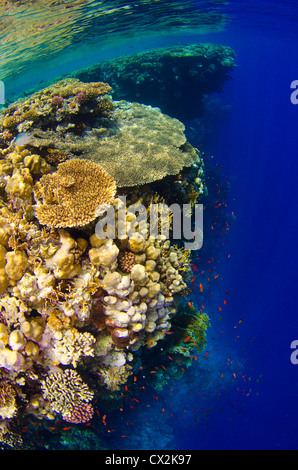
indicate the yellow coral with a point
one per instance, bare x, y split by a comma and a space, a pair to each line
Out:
20, 184
66, 261
65, 390
74, 195
8, 406
114, 377
4, 280
16, 264
71, 86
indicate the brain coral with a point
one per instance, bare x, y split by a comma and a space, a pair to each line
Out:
74, 195
66, 393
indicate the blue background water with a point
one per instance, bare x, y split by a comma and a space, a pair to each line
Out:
256, 148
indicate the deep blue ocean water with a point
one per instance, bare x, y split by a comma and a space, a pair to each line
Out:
254, 404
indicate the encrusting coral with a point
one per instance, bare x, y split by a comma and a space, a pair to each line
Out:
78, 306
73, 196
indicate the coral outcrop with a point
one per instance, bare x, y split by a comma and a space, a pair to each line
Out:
176, 79
86, 286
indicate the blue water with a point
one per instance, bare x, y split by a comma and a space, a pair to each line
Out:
255, 149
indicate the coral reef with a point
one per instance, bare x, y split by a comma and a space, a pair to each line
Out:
136, 144
79, 305
167, 77
8, 407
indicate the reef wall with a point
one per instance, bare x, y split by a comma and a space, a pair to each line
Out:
174, 79
78, 311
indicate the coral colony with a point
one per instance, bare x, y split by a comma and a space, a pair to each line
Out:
77, 311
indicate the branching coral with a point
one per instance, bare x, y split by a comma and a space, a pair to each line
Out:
8, 407
69, 345
55, 103
113, 377
75, 195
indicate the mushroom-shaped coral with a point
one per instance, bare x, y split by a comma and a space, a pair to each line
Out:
68, 395
74, 195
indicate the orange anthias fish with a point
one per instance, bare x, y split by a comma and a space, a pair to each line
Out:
201, 287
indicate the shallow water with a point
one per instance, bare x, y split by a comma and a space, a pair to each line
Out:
241, 391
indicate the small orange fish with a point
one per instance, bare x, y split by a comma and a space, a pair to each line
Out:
201, 287
67, 428
187, 339
193, 279
190, 304
216, 276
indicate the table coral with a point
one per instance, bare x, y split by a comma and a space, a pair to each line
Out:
75, 195
145, 146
